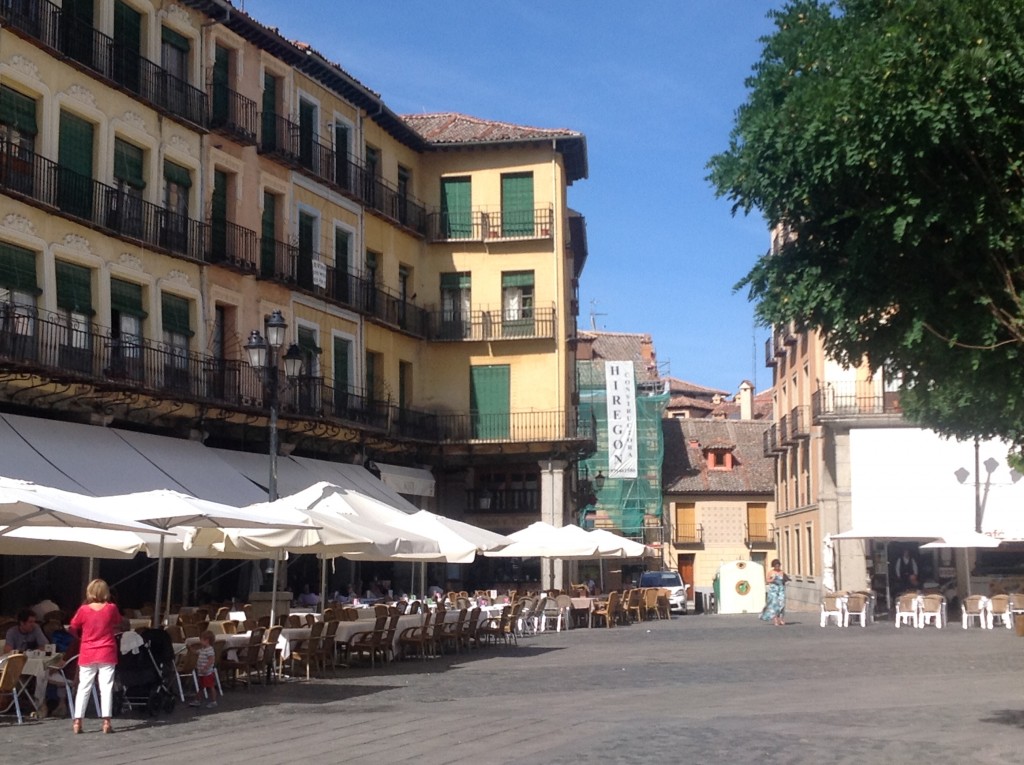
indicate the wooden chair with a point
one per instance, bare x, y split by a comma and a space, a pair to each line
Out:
389, 634
633, 606
185, 666
415, 607
329, 614
331, 643
451, 631
294, 621
493, 627
246, 661
310, 651
349, 614
176, 633
402, 606
223, 614
10, 676
649, 608
468, 634
369, 642
270, 655
379, 609
664, 606
420, 638
440, 615
607, 610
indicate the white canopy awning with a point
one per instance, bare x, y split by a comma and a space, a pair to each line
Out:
418, 482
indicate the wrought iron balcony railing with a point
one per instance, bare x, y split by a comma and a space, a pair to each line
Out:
79, 42
233, 115
233, 245
487, 225
760, 534
288, 142
485, 500
688, 534
854, 399
770, 441
528, 324
119, 211
800, 422
557, 425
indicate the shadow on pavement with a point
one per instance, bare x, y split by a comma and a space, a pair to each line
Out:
1013, 717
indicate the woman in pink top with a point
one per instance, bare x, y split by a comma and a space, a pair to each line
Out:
95, 624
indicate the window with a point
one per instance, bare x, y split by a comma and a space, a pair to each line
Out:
517, 204
372, 277
517, 304
307, 387
174, 49
126, 317
456, 306
404, 277
342, 353
18, 292
220, 96
757, 523
404, 182
174, 312
372, 175
219, 216
269, 266
76, 26
307, 254
374, 380
489, 397
74, 157
268, 139
456, 208
74, 304
342, 264
719, 458
404, 384
342, 149
686, 523
126, 52
307, 133
124, 212
18, 130
810, 550
177, 182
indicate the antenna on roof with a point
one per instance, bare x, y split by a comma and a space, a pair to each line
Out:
594, 314
753, 354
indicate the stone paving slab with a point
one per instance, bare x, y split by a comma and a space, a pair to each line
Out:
695, 689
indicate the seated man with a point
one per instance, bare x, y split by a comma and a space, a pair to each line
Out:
25, 635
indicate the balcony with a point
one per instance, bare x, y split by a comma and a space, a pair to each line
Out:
481, 225
487, 500
688, 534
533, 324
800, 422
855, 399
769, 352
117, 211
513, 427
233, 115
294, 146
783, 431
84, 46
770, 441
760, 535
235, 246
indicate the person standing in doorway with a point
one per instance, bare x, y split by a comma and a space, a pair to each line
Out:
906, 572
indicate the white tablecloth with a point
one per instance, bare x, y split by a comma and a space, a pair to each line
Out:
347, 629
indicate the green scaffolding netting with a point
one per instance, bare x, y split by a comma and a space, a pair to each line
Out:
626, 504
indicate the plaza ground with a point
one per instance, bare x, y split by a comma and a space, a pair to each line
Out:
695, 689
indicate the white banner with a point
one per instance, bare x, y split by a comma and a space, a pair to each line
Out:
620, 393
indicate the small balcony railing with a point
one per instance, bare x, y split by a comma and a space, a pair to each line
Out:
760, 535
530, 324
855, 399
118, 211
489, 225
80, 42
688, 534
800, 422
769, 352
485, 500
285, 140
233, 245
513, 427
233, 115
770, 441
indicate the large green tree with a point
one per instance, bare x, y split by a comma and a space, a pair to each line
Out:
887, 136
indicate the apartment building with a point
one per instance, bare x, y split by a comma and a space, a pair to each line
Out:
173, 174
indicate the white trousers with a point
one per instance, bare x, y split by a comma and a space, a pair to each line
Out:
86, 674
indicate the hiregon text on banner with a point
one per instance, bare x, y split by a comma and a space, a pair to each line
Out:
620, 394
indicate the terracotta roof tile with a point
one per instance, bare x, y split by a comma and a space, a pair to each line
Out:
684, 469
450, 127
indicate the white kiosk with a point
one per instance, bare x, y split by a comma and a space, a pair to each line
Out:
741, 588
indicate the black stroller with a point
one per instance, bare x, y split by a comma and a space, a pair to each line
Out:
143, 678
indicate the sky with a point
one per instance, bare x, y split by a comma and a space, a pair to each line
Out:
653, 86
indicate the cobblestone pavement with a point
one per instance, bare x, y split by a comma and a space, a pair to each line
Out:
696, 689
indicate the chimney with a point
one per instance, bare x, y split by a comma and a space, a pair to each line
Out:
746, 399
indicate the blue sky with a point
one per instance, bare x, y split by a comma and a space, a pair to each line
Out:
653, 85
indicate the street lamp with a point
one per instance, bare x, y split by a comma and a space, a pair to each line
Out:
263, 358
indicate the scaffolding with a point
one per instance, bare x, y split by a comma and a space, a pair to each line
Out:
630, 506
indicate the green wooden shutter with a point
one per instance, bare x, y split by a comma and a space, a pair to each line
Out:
342, 250
174, 313
221, 85
307, 225
175, 39
341, 150
307, 123
371, 376
517, 279
455, 281
124, 54
268, 235
517, 204
177, 174
74, 288
18, 269
489, 401
342, 349
126, 297
219, 215
269, 116
128, 161
74, 155
18, 111
456, 214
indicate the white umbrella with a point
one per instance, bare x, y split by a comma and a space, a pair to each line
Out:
542, 540
963, 539
483, 539
613, 546
24, 504
163, 508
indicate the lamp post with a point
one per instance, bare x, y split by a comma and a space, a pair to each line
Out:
263, 358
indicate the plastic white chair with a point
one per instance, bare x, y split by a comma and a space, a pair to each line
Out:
832, 608
908, 608
856, 607
975, 608
999, 610
933, 609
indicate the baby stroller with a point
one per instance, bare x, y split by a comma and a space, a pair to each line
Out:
144, 667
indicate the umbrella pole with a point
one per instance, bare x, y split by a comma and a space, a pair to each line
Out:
159, 585
323, 584
170, 586
273, 590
